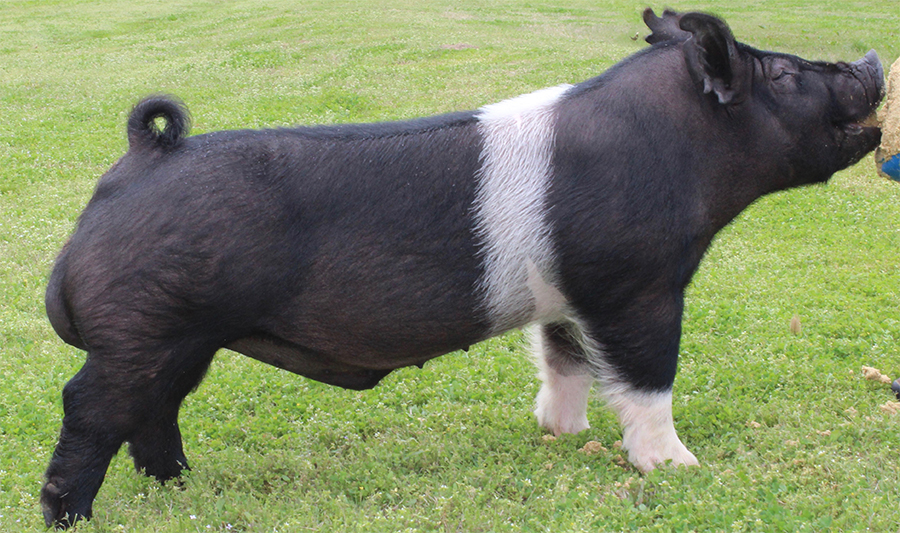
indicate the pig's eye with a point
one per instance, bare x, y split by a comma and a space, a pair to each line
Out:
784, 80
782, 73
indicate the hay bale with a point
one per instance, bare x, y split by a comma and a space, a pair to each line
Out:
889, 114
889, 117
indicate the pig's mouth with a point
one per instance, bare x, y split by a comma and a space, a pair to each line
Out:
866, 125
873, 134
857, 138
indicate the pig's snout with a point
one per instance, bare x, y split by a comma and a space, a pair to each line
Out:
871, 61
869, 71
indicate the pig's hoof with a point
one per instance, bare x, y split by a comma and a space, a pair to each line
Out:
561, 404
895, 386
52, 505
646, 455
55, 509
163, 469
647, 462
561, 423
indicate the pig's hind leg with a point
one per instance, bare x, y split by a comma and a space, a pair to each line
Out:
113, 399
156, 445
87, 442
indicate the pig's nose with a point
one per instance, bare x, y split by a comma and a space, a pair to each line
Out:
870, 67
869, 64
872, 61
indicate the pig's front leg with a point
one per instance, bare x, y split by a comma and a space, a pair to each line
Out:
633, 363
561, 405
639, 350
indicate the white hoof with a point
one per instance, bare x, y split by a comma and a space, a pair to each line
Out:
562, 403
649, 433
648, 453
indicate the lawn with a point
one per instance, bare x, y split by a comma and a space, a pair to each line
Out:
791, 438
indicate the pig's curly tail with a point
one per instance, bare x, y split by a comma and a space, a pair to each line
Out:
144, 128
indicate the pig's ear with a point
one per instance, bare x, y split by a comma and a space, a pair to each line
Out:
664, 28
712, 57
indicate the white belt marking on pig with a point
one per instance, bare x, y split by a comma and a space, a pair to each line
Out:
510, 210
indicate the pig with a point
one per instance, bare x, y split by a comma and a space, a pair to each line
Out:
341, 253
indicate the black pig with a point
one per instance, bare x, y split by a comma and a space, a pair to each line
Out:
342, 253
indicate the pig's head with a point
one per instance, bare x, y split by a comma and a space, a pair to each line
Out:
801, 121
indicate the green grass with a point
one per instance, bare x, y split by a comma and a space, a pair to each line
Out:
791, 438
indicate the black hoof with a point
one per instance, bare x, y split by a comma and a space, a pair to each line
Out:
51, 504
162, 468
55, 509
895, 386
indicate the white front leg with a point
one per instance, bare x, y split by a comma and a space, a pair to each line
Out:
561, 405
562, 402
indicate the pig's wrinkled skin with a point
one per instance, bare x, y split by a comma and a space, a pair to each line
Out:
342, 253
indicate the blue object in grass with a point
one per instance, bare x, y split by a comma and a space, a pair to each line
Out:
891, 167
